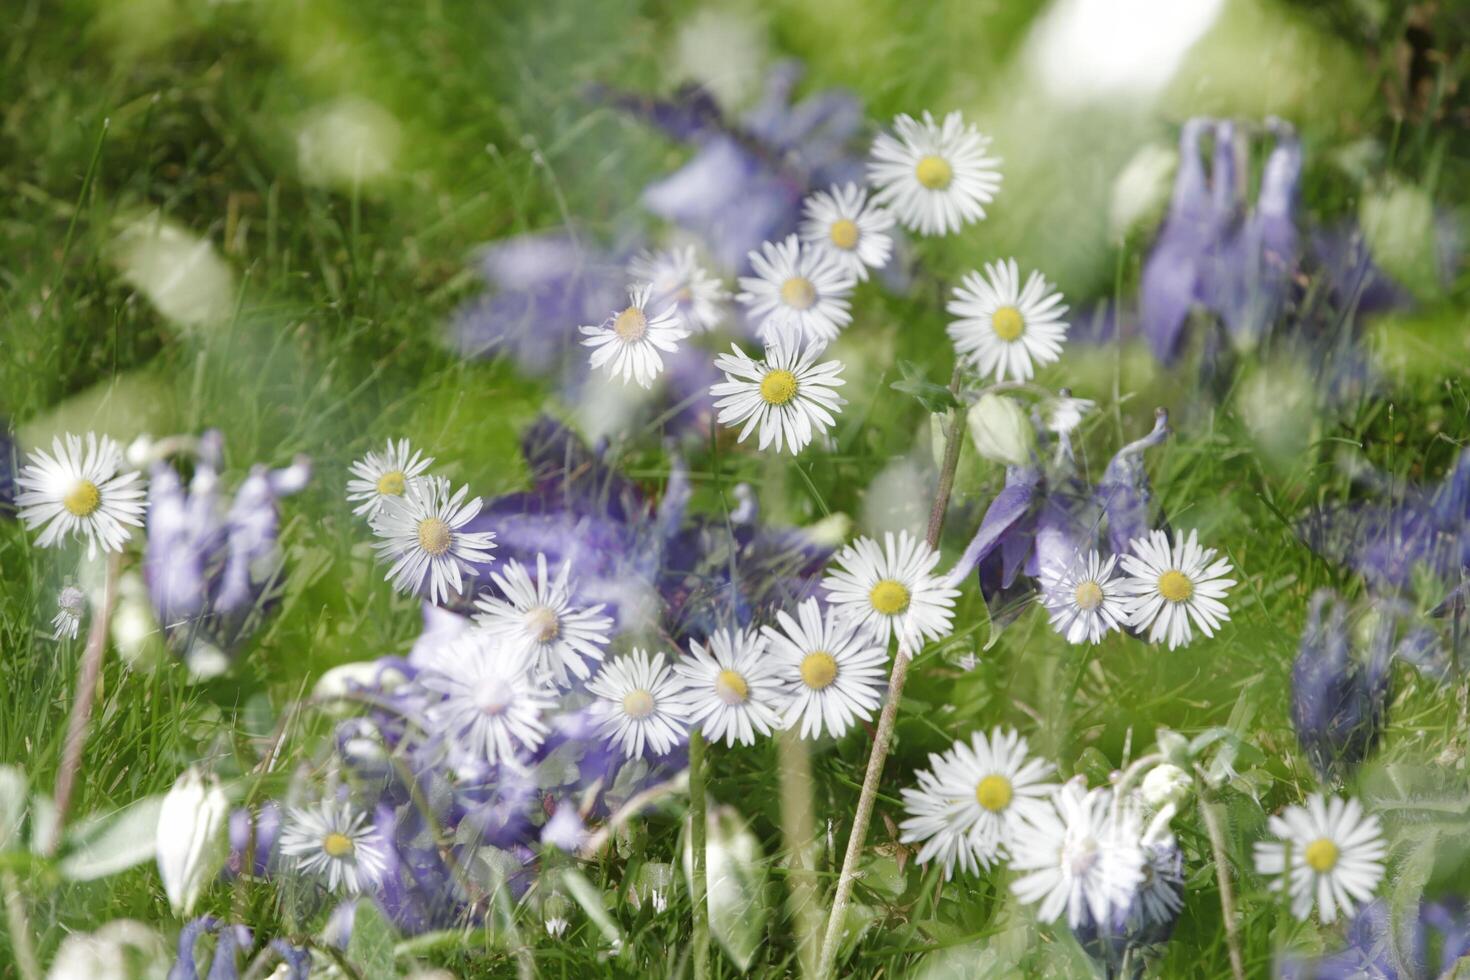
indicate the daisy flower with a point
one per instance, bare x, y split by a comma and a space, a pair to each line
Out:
1086, 601
677, 279
493, 697
974, 799
540, 615
627, 343
798, 289
379, 476
1005, 328
934, 178
1078, 860
335, 842
1169, 587
640, 703
833, 670
891, 590
71, 603
733, 689
424, 532
81, 493
788, 395
849, 227
1328, 851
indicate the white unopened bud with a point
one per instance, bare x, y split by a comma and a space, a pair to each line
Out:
1164, 785
193, 838
1001, 431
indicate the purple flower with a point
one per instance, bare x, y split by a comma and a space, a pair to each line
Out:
253, 839
210, 570
1139, 929
1409, 527
1339, 703
9, 466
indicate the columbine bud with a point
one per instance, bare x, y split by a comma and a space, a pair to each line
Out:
1164, 785
1001, 430
192, 838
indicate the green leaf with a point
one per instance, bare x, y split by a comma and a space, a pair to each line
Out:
371, 947
735, 873
13, 793
587, 895
936, 398
104, 845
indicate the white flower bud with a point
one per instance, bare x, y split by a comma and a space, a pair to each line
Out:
1001, 431
193, 838
1164, 785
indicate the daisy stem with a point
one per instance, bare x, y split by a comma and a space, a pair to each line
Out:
883, 736
1216, 831
798, 837
697, 830
81, 707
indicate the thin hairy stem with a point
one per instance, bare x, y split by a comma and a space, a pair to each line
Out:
698, 828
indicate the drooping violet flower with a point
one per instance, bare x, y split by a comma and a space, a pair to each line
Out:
1407, 527
1339, 702
1370, 951
9, 466
211, 570
254, 836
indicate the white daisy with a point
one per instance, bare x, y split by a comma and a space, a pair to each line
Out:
385, 474
1329, 852
787, 394
539, 614
733, 689
628, 342
798, 289
1169, 587
934, 178
891, 590
493, 697
1086, 601
678, 279
854, 230
70, 491
335, 842
833, 670
71, 603
424, 532
974, 799
640, 704
1079, 861
1005, 328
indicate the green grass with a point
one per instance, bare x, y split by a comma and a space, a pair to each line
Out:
339, 299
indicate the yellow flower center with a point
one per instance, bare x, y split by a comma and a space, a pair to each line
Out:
818, 670
1175, 586
392, 484
993, 793
638, 704
542, 623
730, 687
434, 536
337, 845
83, 499
631, 325
889, 597
1089, 595
798, 293
778, 387
1007, 323
934, 172
1321, 855
844, 232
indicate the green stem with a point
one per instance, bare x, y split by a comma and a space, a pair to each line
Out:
887, 719
1216, 831
698, 828
19, 925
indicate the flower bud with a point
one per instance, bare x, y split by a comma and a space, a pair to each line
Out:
1001, 431
193, 840
1164, 785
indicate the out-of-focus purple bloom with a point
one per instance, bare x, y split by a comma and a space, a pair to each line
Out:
9, 466
1046, 516
231, 942
1411, 527
541, 288
564, 829
1137, 931
746, 180
1371, 952
1339, 702
253, 839
212, 570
